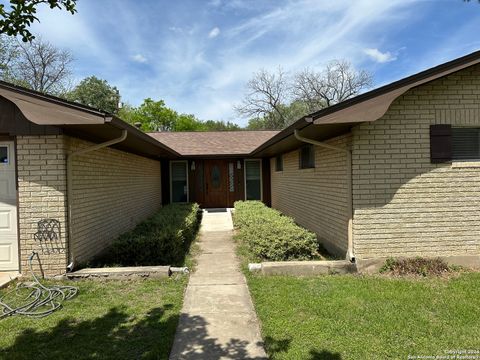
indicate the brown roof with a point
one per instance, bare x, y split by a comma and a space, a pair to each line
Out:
213, 143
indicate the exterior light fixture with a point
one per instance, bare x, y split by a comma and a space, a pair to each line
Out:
192, 166
239, 164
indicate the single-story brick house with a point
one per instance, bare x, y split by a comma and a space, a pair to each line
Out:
392, 172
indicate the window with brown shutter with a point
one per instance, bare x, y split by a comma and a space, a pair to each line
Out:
440, 143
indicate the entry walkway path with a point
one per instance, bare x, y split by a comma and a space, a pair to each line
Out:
218, 320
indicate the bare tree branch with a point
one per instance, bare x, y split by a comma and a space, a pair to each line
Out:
267, 95
338, 82
42, 67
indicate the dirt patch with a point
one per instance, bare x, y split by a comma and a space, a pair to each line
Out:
419, 266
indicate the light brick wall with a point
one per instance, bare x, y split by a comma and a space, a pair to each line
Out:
41, 195
403, 204
112, 192
315, 198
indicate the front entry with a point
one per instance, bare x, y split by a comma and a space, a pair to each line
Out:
8, 208
216, 183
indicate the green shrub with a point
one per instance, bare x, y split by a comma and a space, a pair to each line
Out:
163, 239
269, 235
415, 266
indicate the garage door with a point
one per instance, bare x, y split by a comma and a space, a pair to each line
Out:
8, 208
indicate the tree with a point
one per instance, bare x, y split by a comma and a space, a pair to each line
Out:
96, 93
337, 82
212, 125
274, 101
8, 52
152, 115
22, 15
266, 97
292, 112
156, 116
40, 66
187, 122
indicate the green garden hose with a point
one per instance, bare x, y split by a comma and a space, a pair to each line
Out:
39, 300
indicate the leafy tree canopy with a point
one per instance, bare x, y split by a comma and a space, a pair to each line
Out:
96, 93
154, 115
22, 13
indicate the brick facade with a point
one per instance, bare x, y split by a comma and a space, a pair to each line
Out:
316, 198
112, 191
403, 204
42, 184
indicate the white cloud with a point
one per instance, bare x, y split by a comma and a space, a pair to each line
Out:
378, 56
215, 3
214, 33
139, 58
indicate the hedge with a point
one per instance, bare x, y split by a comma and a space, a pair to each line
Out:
270, 236
163, 239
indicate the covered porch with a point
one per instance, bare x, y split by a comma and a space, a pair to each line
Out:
215, 182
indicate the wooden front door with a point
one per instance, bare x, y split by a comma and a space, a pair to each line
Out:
216, 181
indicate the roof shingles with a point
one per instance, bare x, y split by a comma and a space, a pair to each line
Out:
213, 143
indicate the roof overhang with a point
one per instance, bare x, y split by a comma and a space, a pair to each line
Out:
83, 122
286, 141
370, 106
374, 104
46, 112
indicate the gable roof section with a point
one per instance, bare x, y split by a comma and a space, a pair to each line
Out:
214, 143
366, 107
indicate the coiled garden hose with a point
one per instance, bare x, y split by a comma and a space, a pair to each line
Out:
40, 300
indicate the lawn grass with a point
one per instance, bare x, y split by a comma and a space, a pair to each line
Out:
366, 317
111, 319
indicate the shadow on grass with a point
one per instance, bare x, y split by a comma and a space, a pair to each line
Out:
114, 335
276, 346
324, 355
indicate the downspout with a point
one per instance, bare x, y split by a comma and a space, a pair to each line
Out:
350, 255
70, 156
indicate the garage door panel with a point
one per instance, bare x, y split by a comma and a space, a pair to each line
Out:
6, 253
5, 220
8, 208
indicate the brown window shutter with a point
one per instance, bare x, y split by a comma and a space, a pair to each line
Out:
440, 143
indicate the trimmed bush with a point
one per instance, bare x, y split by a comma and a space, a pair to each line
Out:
269, 235
163, 239
415, 266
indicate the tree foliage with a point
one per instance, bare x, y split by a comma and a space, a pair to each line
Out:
97, 93
22, 13
154, 115
274, 100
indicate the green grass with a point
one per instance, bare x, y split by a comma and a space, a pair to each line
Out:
129, 319
366, 317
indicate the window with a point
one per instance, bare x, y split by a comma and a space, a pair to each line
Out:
307, 157
3, 154
231, 177
279, 163
253, 180
179, 181
466, 143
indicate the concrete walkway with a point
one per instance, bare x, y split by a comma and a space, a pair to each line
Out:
218, 320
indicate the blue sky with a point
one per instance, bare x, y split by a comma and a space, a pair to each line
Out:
197, 55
